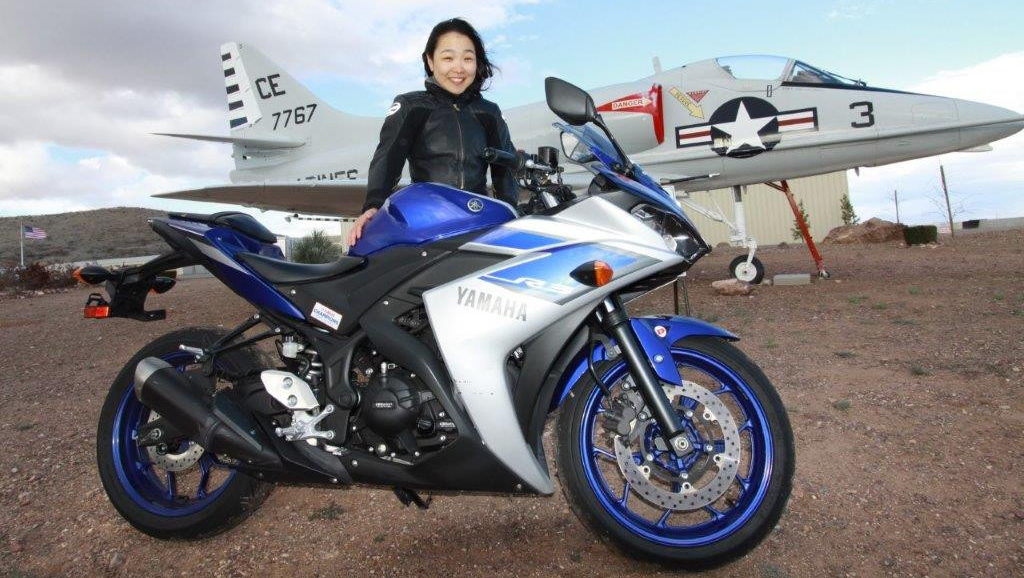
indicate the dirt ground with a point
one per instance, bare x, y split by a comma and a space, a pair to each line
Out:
903, 376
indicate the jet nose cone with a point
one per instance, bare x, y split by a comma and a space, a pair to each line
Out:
984, 123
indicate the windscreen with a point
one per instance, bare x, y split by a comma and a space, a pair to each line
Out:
754, 67
806, 74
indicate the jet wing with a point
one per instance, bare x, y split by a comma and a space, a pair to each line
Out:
267, 142
335, 198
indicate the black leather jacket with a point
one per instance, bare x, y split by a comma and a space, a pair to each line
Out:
442, 136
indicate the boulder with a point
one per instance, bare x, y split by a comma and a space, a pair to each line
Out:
732, 287
873, 230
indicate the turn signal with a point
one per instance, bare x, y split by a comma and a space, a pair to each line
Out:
97, 311
593, 273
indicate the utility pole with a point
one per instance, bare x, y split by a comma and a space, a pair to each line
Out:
896, 199
945, 190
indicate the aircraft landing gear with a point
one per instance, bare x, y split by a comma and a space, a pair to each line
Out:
747, 268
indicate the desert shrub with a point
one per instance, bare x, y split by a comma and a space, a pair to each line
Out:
36, 276
315, 248
849, 215
921, 234
795, 231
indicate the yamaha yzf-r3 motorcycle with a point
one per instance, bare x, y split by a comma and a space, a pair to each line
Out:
431, 357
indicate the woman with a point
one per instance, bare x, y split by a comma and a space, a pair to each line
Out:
442, 130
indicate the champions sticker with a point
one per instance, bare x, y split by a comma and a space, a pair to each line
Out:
394, 108
326, 315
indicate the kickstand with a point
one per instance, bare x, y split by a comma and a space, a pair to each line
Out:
409, 497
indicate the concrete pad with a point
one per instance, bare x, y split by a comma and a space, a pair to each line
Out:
792, 279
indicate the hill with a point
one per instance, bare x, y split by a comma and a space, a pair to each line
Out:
83, 235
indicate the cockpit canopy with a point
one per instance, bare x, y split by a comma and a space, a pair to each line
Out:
764, 67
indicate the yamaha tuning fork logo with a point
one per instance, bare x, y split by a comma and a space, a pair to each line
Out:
745, 127
475, 205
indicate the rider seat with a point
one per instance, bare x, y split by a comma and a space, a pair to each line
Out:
288, 273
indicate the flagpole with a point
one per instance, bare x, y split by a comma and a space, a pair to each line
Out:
21, 241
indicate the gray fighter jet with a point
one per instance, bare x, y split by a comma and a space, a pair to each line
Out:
724, 122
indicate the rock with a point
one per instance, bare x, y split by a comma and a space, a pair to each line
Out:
873, 230
24, 499
732, 287
116, 560
17, 545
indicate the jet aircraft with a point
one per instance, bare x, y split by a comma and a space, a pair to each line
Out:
722, 122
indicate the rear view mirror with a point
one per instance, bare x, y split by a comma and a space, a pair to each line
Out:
571, 103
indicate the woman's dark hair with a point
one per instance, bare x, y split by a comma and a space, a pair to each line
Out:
484, 68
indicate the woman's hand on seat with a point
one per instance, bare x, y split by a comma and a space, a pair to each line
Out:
357, 227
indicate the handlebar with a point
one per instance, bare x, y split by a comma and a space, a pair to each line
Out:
516, 161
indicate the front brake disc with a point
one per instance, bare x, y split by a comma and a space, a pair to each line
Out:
690, 497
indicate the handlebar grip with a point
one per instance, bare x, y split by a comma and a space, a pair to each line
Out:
506, 159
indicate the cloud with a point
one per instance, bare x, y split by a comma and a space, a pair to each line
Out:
990, 184
102, 77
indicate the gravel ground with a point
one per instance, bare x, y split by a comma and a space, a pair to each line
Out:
903, 376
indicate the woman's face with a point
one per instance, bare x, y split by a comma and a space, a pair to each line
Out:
453, 62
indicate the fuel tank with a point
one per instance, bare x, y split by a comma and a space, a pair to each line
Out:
427, 212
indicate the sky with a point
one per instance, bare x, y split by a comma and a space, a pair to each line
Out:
84, 84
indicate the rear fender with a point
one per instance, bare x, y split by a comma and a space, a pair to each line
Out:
656, 335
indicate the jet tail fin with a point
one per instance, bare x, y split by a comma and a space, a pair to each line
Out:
275, 120
264, 99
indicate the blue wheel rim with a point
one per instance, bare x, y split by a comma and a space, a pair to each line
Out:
752, 488
152, 491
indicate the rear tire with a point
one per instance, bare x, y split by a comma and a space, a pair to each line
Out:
146, 494
588, 478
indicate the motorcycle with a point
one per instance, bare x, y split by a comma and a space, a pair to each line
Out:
431, 357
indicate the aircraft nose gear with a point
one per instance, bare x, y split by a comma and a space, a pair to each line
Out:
683, 483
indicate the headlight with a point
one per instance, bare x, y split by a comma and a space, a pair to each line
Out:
676, 235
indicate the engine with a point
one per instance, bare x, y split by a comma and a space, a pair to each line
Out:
397, 415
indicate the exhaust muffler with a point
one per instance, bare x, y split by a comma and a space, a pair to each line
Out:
213, 423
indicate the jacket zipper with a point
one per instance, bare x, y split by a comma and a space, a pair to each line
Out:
462, 152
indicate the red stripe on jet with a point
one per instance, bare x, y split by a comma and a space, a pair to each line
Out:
696, 134
796, 121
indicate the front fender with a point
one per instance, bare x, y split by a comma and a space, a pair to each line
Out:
656, 335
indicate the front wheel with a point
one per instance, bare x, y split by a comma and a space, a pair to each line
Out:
706, 507
180, 492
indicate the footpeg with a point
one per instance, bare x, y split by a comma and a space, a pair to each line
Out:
304, 427
409, 497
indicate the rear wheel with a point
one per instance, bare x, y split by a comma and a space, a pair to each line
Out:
180, 492
705, 508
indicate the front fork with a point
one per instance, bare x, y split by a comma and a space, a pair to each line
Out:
613, 318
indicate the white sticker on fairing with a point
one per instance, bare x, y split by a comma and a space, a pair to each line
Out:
326, 315
394, 108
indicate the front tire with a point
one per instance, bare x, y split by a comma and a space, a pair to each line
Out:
184, 493
729, 527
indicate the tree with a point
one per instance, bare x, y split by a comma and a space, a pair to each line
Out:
797, 235
849, 216
315, 247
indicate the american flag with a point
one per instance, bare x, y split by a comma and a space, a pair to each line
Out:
33, 232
